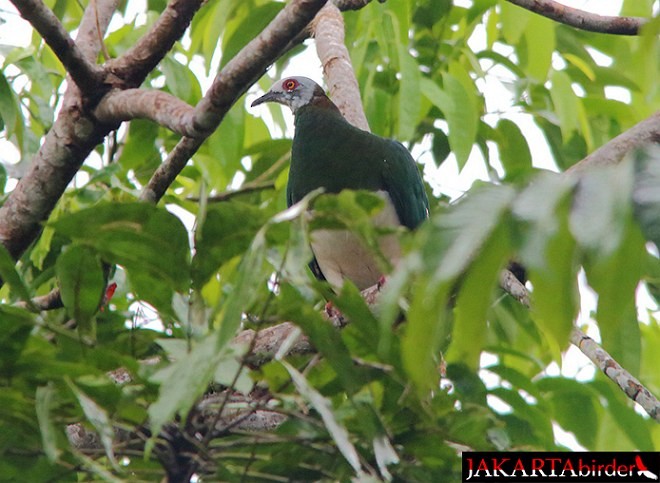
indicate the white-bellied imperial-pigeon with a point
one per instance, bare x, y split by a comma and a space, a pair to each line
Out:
330, 153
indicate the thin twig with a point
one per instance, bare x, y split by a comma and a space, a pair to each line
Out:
243, 190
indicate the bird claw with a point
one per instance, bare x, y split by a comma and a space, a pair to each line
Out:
334, 315
381, 282
330, 310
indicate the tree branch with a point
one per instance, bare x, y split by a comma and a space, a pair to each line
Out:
581, 19
230, 83
613, 370
93, 26
612, 152
76, 132
328, 30
246, 188
51, 300
134, 65
158, 106
251, 62
85, 74
599, 356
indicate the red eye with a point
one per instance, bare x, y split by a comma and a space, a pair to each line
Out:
290, 84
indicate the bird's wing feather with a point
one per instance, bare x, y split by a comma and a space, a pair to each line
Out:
403, 182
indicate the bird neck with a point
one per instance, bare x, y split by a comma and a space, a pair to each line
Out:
321, 101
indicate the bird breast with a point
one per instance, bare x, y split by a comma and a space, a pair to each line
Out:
342, 255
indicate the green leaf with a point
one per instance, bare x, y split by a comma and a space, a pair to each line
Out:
196, 368
98, 417
548, 251
3, 179
540, 44
538, 205
565, 102
646, 193
409, 94
474, 300
555, 287
440, 147
460, 113
514, 150
226, 146
615, 278
181, 81
82, 285
323, 335
564, 395
601, 210
44, 400
251, 274
227, 231
15, 327
470, 224
140, 151
10, 112
338, 432
253, 23
10, 276
514, 21
143, 238
427, 326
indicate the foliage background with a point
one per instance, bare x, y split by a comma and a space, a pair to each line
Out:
374, 404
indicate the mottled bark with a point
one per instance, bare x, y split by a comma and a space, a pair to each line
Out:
581, 19
328, 30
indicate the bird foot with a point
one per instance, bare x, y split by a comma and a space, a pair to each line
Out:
381, 282
334, 315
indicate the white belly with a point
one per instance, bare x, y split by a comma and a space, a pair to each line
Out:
340, 254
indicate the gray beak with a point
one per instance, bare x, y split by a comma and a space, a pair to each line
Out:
267, 97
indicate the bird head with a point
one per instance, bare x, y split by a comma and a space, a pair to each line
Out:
294, 92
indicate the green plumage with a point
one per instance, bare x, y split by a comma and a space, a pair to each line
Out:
330, 153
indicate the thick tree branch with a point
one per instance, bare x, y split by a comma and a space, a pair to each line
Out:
158, 106
75, 132
134, 65
84, 73
253, 60
230, 83
93, 26
581, 19
72, 137
328, 30
612, 152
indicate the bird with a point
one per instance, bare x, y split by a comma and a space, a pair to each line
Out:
330, 153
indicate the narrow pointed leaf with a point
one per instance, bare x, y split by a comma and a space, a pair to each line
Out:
338, 432
82, 285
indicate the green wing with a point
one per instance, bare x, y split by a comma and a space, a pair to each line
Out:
404, 184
